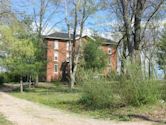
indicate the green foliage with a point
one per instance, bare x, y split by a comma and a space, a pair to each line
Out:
2, 78
162, 52
4, 121
136, 91
20, 51
97, 91
162, 90
61, 96
94, 57
116, 91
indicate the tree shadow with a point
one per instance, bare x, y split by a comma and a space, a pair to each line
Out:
38, 89
61, 89
8, 88
146, 118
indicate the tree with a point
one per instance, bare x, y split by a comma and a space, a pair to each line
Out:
19, 51
94, 57
41, 21
77, 12
135, 16
42, 18
162, 52
5, 11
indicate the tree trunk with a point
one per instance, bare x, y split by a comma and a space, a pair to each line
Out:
21, 84
30, 81
37, 79
149, 69
123, 58
136, 58
145, 75
73, 76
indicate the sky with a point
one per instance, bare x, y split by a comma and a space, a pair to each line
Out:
95, 23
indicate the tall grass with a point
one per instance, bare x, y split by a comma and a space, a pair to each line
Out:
128, 89
97, 91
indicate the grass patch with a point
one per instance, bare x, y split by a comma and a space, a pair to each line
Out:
4, 121
66, 99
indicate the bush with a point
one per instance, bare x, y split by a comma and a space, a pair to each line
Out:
8, 77
97, 92
2, 78
130, 89
163, 91
136, 91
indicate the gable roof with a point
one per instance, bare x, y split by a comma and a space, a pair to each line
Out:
105, 41
64, 36
59, 36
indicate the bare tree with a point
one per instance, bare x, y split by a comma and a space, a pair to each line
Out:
80, 11
135, 16
42, 17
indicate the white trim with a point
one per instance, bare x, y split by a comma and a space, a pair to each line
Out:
109, 50
67, 56
56, 44
67, 46
56, 53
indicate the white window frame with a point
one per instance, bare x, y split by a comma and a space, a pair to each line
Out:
67, 46
67, 56
109, 51
56, 44
55, 55
54, 68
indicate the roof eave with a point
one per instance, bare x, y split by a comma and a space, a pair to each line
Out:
56, 38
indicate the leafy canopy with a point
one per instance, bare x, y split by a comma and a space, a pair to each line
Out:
94, 56
19, 50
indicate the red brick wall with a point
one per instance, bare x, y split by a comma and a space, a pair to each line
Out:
62, 52
111, 58
51, 75
50, 62
114, 59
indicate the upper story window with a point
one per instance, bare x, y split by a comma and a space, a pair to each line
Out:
67, 46
56, 68
109, 51
55, 55
67, 57
56, 44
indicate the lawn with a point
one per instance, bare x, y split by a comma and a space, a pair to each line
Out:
4, 121
66, 99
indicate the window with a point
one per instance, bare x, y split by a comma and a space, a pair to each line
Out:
56, 45
109, 51
55, 55
56, 68
67, 46
67, 57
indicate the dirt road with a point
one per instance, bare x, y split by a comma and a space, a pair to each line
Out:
22, 112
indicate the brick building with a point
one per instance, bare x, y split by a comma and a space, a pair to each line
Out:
58, 53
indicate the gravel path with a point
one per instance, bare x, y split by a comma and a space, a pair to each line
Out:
22, 112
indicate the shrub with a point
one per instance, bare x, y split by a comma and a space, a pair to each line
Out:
136, 91
2, 78
8, 77
97, 91
162, 90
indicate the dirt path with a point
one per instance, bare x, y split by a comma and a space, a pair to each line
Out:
22, 112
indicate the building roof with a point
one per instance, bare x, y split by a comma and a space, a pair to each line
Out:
59, 35
105, 41
64, 36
